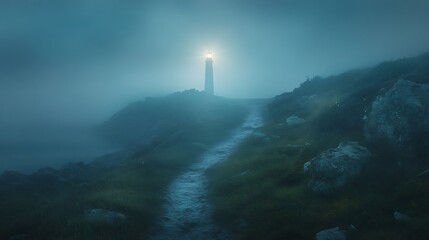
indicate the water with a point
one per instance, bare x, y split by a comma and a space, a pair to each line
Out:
187, 212
26, 149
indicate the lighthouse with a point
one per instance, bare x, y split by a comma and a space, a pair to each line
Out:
209, 86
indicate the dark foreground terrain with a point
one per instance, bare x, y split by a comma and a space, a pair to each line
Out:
348, 154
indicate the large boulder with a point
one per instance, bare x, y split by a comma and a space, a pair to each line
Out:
401, 115
333, 168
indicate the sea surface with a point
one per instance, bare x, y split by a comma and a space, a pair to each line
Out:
26, 149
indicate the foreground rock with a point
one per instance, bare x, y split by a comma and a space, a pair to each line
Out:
331, 234
333, 168
104, 216
400, 115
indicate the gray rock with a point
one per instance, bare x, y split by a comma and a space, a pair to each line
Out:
307, 166
294, 120
400, 114
331, 234
333, 168
103, 215
400, 217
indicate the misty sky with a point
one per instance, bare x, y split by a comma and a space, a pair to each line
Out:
82, 60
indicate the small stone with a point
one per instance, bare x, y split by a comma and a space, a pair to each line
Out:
401, 217
331, 234
307, 166
294, 120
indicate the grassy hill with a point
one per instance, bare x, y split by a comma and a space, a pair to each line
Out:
52, 204
143, 122
261, 191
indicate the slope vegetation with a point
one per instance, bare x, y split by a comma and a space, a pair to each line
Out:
262, 191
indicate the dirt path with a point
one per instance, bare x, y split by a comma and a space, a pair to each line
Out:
187, 213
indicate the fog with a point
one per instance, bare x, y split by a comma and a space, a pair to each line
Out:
74, 63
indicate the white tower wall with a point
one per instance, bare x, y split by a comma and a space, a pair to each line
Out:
209, 85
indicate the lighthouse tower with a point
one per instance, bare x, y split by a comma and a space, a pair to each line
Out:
209, 87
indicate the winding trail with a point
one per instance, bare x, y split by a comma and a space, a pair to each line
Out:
187, 212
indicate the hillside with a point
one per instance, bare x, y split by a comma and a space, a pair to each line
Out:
347, 96
118, 196
143, 122
347, 151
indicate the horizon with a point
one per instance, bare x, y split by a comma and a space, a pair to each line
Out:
81, 61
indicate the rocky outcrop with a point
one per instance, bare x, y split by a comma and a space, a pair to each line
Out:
333, 168
401, 115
